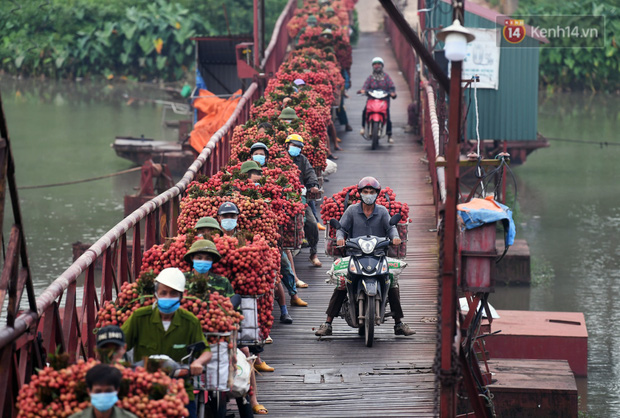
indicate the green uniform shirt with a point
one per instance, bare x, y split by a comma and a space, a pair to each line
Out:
144, 332
214, 283
117, 413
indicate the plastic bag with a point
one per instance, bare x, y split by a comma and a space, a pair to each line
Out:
241, 381
338, 271
218, 367
250, 329
331, 168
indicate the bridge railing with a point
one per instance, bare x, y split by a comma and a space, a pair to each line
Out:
59, 321
405, 56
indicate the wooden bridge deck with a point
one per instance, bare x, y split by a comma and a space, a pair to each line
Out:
338, 375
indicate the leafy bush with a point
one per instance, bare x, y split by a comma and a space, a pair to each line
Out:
137, 39
579, 68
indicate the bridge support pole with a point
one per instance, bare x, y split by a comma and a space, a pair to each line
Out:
449, 362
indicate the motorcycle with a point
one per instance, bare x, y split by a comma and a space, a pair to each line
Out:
367, 282
376, 115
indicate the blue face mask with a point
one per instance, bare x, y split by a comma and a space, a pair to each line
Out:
294, 151
103, 401
228, 224
168, 305
202, 266
259, 159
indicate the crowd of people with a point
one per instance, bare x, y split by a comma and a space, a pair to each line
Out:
292, 132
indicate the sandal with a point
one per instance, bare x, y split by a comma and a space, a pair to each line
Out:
301, 284
259, 410
263, 367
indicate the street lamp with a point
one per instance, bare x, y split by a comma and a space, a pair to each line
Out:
455, 37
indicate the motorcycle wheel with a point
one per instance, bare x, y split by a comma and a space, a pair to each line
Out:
369, 321
201, 410
375, 135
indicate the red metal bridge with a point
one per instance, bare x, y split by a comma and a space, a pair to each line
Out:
334, 376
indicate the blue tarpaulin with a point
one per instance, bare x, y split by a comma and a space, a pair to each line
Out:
478, 212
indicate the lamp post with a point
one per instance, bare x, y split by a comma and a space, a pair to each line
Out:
455, 38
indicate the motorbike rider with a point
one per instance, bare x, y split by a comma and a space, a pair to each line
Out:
308, 178
201, 256
366, 218
207, 226
253, 170
379, 80
111, 345
227, 216
166, 328
259, 153
103, 383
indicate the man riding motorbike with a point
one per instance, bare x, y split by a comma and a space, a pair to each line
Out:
379, 80
360, 219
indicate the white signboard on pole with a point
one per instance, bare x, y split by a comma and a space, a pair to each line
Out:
483, 59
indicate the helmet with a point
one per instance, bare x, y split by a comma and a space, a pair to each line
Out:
173, 278
299, 82
250, 166
228, 207
327, 32
202, 246
377, 60
288, 113
330, 10
312, 21
259, 145
208, 222
369, 182
295, 139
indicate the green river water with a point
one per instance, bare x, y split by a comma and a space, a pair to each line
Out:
568, 200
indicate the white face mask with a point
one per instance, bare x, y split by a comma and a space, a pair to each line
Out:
369, 199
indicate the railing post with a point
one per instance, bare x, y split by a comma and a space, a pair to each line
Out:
136, 253
8, 386
106, 276
149, 231
8, 279
90, 307
123, 262
69, 323
174, 214
52, 329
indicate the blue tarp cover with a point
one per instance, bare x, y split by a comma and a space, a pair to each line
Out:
478, 212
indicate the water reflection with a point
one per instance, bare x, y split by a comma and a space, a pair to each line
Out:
62, 131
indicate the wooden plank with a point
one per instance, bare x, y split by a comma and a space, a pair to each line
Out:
338, 375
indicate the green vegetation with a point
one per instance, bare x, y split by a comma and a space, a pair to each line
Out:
137, 39
570, 68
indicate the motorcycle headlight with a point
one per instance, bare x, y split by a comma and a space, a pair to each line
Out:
384, 268
352, 267
368, 246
